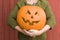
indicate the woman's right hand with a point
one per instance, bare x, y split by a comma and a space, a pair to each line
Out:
28, 33
25, 32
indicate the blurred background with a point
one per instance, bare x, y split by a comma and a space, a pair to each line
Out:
7, 33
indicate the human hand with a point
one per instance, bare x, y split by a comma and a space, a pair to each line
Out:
28, 33
32, 33
25, 32
39, 32
35, 32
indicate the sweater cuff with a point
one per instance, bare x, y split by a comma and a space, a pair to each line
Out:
50, 27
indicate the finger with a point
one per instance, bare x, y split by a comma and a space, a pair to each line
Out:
32, 36
27, 32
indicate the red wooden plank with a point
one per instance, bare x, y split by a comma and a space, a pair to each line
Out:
9, 33
57, 28
0, 15
16, 33
49, 33
55, 33
11, 30
5, 12
1, 20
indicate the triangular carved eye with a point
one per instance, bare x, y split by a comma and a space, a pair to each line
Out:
28, 12
36, 13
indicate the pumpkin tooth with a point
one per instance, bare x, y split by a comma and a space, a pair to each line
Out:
30, 23
35, 21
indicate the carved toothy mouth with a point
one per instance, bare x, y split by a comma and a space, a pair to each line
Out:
30, 23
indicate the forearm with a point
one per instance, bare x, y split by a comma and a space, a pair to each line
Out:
23, 31
46, 28
50, 19
39, 32
12, 17
18, 29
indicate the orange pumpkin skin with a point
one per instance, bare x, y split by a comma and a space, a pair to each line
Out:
31, 17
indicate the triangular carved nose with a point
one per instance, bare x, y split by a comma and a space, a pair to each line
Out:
31, 16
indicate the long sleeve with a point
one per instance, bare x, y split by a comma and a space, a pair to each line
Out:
50, 17
12, 21
12, 17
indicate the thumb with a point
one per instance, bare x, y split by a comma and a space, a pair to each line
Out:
26, 31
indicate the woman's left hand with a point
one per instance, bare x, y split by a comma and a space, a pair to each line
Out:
35, 32
39, 32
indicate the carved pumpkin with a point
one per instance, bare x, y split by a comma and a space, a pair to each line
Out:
31, 17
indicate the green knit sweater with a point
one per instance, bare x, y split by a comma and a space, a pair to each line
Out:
41, 3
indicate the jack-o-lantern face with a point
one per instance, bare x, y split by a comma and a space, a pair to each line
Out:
31, 17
